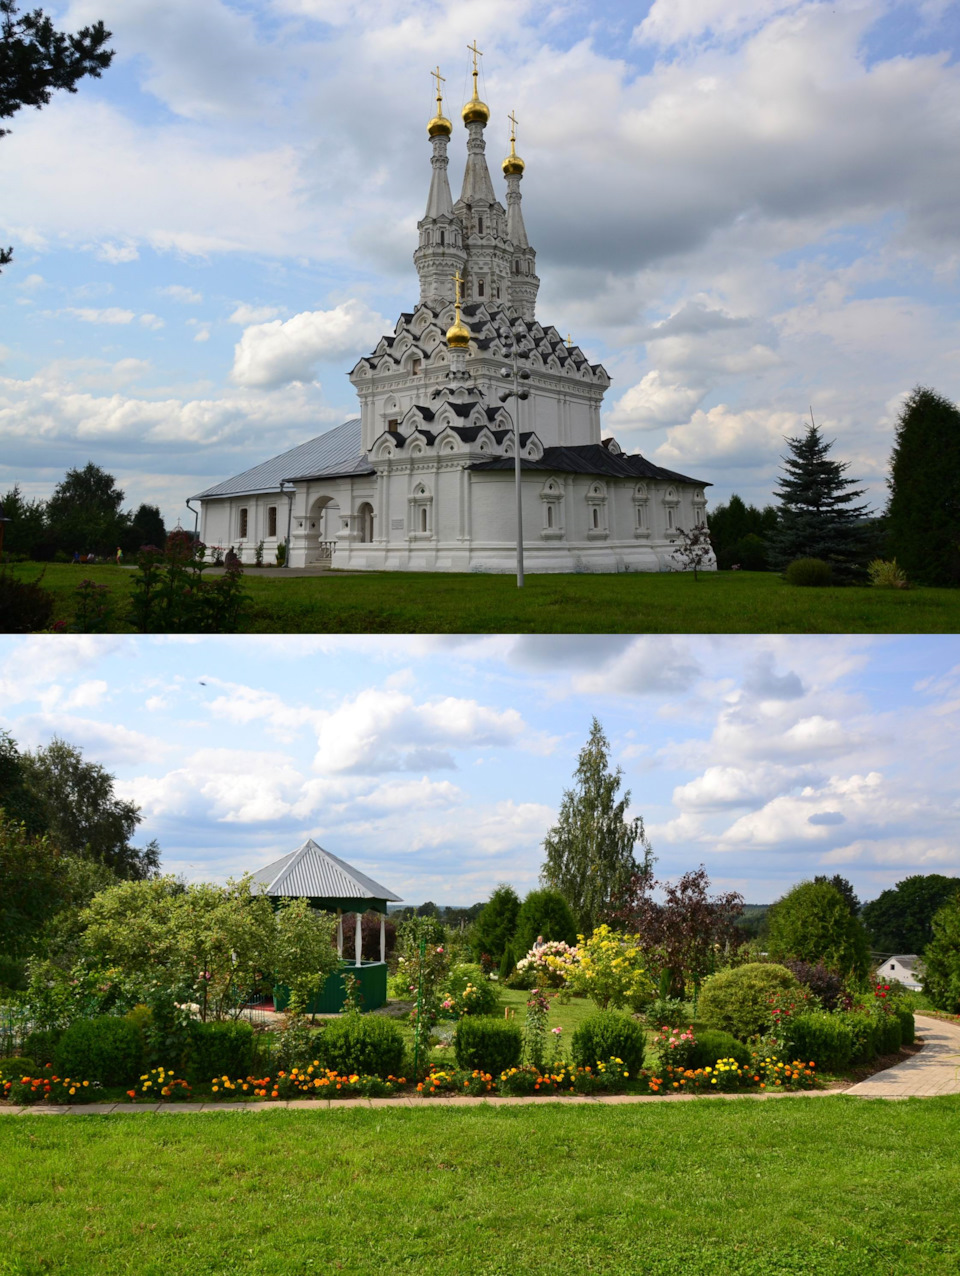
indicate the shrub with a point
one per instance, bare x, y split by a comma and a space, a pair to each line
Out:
470, 992
24, 604
887, 575
609, 1034
488, 1044
18, 1066
738, 1000
825, 985
218, 1048
713, 1045
669, 1011
908, 1029
891, 1034
105, 1049
867, 1036
825, 1039
41, 1044
370, 1045
809, 571
547, 914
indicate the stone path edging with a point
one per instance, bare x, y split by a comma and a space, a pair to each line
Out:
934, 1070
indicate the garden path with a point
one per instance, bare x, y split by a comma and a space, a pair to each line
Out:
933, 1070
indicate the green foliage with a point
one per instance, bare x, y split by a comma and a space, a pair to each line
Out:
146, 528
612, 969
84, 512
809, 571
887, 575
824, 1039
219, 1049
544, 913
818, 517
171, 595
26, 607
41, 1044
369, 1045
813, 923
82, 812
507, 963
712, 1045
891, 1034
482, 999
31, 885
737, 1000
17, 1065
23, 534
923, 514
303, 949
488, 1044
590, 851
867, 1031
495, 927
900, 920
739, 533
609, 1034
941, 975
908, 1029
105, 1049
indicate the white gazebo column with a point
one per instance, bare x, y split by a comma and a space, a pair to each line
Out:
340, 934
383, 937
358, 944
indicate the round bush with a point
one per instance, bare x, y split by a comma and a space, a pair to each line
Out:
483, 999
907, 1026
17, 1066
738, 1000
713, 1045
825, 985
369, 1045
826, 1040
219, 1049
104, 1049
487, 1044
609, 1034
809, 571
41, 1045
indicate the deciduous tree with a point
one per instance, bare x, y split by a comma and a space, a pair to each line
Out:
941, 961
590, 851
813, 923
900, 920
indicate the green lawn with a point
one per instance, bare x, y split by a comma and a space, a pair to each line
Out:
792, 1187
726, 602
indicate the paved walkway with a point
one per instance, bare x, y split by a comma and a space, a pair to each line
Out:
933, 1070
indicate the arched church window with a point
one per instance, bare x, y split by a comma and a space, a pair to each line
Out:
443, 239
549, 515
596, 517
480, 288
423, 518
516, 267
242, 524
415, 366
272, 520
480, 225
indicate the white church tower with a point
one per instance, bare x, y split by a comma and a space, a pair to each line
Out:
424, 479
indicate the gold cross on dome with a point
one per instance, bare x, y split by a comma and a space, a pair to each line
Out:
472, 48
458, 280
439, 79
512, 117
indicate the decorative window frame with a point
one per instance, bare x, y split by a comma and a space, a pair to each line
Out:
243, 522
551, 498
671, 506
641, 502
597, 524
420, 502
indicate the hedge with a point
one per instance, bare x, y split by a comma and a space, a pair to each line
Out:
220, 1049
609, 1034
104, 1049
369, 1045
487, 1044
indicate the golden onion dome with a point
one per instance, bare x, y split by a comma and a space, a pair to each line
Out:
439, 126
458, 334
475, 111
513, 164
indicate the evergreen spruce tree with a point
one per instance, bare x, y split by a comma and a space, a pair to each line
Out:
923, 514
589, 852
818, 517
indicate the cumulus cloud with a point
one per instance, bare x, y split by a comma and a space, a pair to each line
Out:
672, 21
112, 314
654, 402
647, 667
281, 351
245, 314
117, 254
179, 292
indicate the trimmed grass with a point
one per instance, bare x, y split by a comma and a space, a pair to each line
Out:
418, 602
791, 1187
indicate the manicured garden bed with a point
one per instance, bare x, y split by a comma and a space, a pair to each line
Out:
702, 1189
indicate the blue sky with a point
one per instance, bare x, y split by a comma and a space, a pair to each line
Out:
742, 207
437, 764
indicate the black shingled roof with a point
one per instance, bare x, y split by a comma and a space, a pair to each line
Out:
591, 458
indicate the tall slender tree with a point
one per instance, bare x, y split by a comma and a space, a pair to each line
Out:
818, 514
923, 513
590, 851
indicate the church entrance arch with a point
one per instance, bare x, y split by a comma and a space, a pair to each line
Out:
365, 522
322, 525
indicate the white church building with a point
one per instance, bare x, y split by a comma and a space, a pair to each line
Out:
424, 478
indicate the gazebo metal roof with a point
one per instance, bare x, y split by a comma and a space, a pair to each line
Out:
325, 880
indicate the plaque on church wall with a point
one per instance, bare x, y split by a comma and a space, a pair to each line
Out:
396, 524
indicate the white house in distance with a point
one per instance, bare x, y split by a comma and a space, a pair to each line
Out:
905, 968
423, 479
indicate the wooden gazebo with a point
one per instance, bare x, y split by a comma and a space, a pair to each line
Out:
334, 886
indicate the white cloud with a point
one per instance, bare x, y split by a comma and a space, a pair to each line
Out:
152, 321
202, 334
178, 292
32, 283
653, 403
117, 254
672, 21
113, 314
245, 314
648, 666
281, 351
